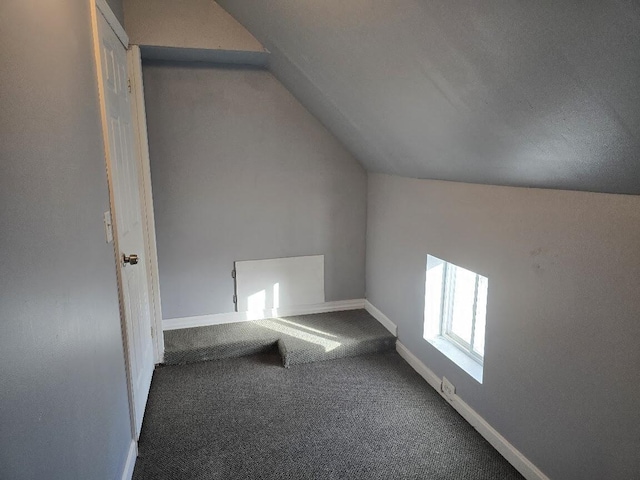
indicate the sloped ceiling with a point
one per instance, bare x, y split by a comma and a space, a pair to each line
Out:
508, 92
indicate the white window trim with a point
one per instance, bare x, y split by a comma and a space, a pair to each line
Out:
446, 327
457, 356
435, 329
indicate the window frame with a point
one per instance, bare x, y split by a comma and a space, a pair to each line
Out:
446, 312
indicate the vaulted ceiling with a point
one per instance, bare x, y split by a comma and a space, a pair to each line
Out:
507, 92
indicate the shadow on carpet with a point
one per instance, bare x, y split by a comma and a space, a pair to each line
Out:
299, 339
368, 417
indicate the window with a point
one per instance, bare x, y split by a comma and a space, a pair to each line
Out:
455, 313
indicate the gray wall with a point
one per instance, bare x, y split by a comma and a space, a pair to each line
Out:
562, 356
538, 93
240, 171
63, 400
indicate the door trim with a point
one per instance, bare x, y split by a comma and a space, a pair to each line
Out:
134, 60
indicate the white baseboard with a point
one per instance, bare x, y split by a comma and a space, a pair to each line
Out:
508, 451
381, 317
127, 472
232, 317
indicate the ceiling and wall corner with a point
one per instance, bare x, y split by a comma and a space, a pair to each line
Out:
533, 94
193, 30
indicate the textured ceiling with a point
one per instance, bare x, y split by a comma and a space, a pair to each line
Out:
508, 92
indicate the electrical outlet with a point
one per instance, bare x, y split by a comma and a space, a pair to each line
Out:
448, 389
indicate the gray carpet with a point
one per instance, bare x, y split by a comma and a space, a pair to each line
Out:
367, 417
299, 339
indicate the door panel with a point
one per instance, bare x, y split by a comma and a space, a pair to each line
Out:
126, 204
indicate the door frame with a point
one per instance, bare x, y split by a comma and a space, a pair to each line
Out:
139, 115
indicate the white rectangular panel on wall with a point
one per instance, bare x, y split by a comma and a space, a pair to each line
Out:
279, 283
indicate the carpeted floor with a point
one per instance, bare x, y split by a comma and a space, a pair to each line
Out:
367, 417
300, 339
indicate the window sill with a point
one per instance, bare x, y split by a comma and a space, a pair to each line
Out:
457, 356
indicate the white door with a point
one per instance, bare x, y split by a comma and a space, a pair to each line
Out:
126, 204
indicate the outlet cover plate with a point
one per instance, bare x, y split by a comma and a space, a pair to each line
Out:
448, 389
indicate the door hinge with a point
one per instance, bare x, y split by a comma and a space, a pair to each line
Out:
233, 274
235, 299
129, 84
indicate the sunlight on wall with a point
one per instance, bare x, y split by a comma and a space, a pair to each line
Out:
433, 290
282, 282
256, 304
276, 295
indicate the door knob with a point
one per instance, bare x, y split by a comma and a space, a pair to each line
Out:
130, 259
